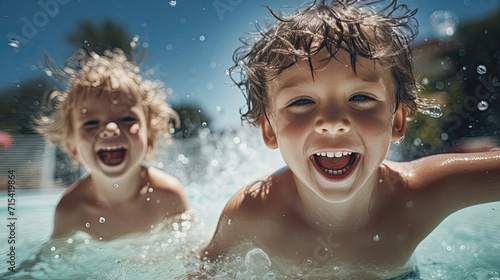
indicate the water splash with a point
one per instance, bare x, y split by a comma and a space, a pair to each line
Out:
430, 107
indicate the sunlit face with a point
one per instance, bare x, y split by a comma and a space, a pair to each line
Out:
109, 133
333, 131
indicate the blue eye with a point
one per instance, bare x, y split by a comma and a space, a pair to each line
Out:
301, 102
361, 98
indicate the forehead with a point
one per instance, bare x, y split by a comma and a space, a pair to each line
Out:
340, 65
109, 102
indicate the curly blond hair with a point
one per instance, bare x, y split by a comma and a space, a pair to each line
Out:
111, 73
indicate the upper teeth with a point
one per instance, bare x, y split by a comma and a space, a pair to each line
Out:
333, 154
111, 148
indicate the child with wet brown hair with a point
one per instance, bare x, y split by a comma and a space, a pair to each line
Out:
109, 119
331, 86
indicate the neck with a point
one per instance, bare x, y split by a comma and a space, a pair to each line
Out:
116, 190
347, 215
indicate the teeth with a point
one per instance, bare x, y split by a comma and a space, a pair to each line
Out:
338, 172
333, 154
111, 148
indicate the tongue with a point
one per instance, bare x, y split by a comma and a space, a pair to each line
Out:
112, 157
333, 163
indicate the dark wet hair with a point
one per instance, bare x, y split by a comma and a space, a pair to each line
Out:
378, 30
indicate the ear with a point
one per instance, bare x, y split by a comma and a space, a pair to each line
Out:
399, 123
268, 133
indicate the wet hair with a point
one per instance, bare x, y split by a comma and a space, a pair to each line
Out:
113, 74
379, 30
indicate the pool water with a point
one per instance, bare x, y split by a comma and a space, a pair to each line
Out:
464, 246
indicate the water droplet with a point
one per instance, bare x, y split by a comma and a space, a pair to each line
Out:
14, 43
376, 238
102, 220
444, 23
218, 108
229, 222
150, 190
52, 248
482, 106
336, 268
168, 47
204, 124
87, 225
409, 204
70, 240
430, 107
172, 3
84, 110
148, 199
116, 186
481, 69
380, 181
202, 38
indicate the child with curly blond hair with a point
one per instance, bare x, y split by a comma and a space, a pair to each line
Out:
109, 119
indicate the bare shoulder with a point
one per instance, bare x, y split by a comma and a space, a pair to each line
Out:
69, 209
263, 197
169, 186
164, 181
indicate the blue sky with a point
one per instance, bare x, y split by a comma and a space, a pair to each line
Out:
189, 44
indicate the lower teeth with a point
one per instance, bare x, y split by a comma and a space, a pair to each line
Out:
338, 172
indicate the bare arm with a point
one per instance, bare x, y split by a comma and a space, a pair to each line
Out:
449, 182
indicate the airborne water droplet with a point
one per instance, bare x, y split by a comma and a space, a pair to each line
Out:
172, 3
430, 107
434, 111
87, 225
482, 106
102, 220
376, 238
481, 69
14, 43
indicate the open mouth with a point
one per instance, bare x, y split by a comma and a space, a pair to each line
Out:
112, 156
335, 164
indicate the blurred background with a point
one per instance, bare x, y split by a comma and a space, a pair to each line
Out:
189, 44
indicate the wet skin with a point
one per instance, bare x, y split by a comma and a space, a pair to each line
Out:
365, 216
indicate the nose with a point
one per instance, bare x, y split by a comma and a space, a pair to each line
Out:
331, 121
110, 130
